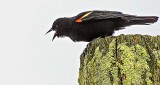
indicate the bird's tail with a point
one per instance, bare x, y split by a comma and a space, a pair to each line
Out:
142, 20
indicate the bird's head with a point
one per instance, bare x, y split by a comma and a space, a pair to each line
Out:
61, 26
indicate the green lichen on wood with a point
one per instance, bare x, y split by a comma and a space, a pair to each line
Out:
121, 60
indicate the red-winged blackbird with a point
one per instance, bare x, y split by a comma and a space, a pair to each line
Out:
89, 25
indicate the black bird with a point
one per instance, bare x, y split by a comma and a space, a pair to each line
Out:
89, 25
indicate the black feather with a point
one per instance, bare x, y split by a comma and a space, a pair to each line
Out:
89, 25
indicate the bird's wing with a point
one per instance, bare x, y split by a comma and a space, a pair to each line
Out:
98, 15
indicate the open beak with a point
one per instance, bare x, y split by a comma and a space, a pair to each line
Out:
49, 31
54, 36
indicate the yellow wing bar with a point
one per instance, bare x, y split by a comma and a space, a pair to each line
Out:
85, 15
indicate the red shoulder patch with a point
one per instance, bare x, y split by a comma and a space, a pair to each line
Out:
85, 15
78, 20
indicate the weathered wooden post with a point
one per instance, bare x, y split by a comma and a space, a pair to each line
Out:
121, 60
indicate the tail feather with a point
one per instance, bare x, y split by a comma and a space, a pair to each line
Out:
143, 20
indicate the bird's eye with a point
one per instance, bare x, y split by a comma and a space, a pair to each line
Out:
56, 26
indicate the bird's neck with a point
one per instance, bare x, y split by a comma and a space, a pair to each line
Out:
67, 26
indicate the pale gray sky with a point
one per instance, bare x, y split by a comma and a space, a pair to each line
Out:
27, 55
